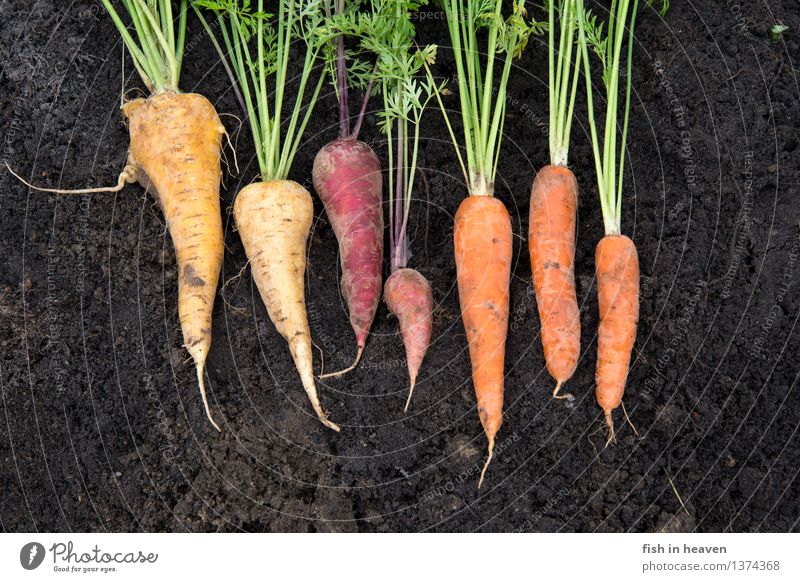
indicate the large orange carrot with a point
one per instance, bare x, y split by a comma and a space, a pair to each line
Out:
554, 202
617, 268
551, 241
184, 170
483, 245
483, 249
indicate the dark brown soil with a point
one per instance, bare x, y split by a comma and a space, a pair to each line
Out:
102, 428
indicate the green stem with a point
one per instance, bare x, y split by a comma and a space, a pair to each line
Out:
157, 51
624, 144
598, 163
609, 174
483, 105
276, 146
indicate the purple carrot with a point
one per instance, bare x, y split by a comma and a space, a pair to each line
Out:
406, 292
347, 178
408, 295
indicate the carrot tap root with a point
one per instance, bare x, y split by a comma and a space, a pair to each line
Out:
617, 267
483, 250
347, 177
488, 460
408, 296
565, 396
349, 368
551, 243
612, 434
200, 370
274, 219
320, 412
408, 400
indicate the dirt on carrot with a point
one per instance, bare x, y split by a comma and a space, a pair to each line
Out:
483, 248
274, 219
551, 242
617, 268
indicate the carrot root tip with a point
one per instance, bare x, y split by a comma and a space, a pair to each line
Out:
202, 384
488, 460
348, 369
612, 434
328, 423
321, 414
408, 400
323, 417
558, 396
127, 176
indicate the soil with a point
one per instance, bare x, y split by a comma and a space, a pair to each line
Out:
102, 428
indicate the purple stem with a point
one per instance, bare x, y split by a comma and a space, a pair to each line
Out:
363, 110
403, 239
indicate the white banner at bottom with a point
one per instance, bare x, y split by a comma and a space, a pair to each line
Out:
399, 557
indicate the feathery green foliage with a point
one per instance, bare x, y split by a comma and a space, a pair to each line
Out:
405, 96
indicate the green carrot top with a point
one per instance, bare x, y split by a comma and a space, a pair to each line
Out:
607, 47
562, 88
483, 106
155, 47
405, 97
276, 117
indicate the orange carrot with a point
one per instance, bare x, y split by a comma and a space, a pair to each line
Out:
482, 237
483, 249
616, 259
551, 241
617, 268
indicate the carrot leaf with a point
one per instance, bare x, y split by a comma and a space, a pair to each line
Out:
482, 91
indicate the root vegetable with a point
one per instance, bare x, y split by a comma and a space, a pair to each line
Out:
347, 178
274, 215
405, 97
616, 259
551, 241
274, 219
617, 268
554, 203
483, 234
483, 247
408, 296
175, 142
